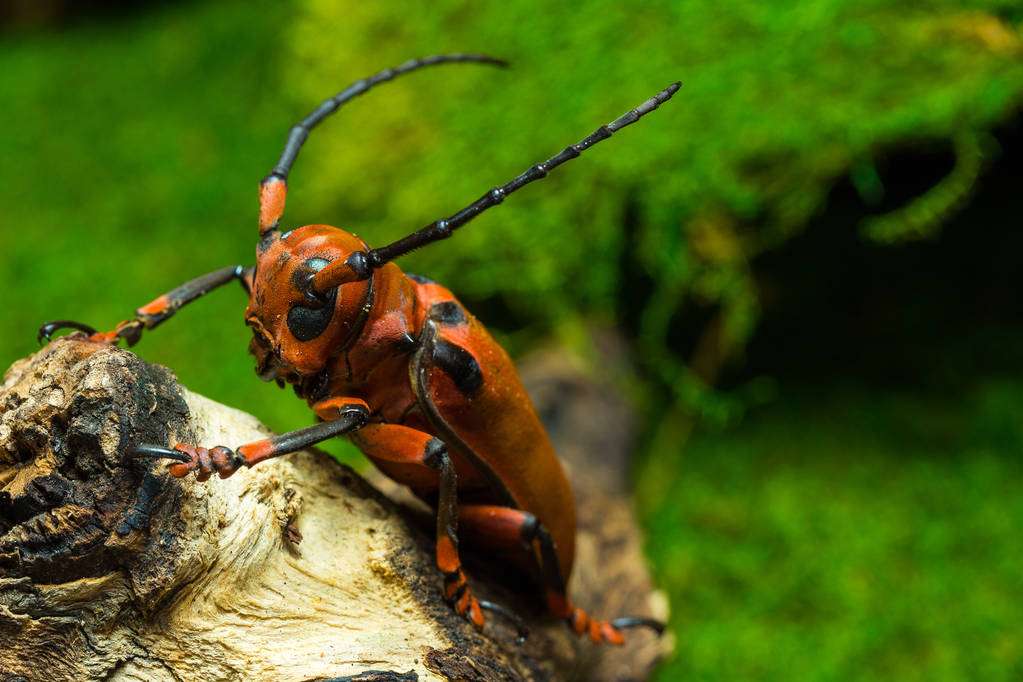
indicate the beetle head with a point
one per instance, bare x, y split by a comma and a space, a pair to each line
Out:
296, 331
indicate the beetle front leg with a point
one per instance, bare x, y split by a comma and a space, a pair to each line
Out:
345, 416
156, 311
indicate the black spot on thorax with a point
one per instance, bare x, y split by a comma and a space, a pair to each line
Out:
460, 365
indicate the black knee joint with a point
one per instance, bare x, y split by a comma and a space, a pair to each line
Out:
358, 415
436, 453
237, 461
455, 577
530, 529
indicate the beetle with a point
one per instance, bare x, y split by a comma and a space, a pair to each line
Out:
395, 362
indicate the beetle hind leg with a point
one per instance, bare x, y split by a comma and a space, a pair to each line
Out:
507, 528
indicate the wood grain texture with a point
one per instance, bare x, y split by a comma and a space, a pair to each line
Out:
294, 570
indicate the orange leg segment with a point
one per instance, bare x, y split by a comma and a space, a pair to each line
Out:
402, 445
508, 529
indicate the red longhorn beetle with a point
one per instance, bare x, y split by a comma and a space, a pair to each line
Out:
396, 363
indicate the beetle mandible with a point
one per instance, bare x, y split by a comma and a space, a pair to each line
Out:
394, 362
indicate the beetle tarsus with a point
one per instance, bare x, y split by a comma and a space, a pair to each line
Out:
129, 330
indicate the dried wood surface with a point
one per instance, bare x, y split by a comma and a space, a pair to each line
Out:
297, 569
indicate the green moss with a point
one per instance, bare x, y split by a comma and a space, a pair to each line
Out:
138, 140
840, 535
816, 542
132, 151
780, 101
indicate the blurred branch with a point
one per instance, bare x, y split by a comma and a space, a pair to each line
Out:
922, 217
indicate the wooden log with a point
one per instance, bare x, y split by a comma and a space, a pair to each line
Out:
297, 569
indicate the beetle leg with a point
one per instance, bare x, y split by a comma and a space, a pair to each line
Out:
393, 445
139, 516
224, 461
48, 329
509, 529
156, 311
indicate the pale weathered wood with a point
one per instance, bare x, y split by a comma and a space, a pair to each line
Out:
210, 581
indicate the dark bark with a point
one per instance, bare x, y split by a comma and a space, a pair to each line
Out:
109, 569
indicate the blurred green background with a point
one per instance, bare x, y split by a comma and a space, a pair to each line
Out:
813, 254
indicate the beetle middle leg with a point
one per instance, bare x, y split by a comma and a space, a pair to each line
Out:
422, 462
507, 529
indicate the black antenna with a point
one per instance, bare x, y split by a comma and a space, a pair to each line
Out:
361, 264
298, 133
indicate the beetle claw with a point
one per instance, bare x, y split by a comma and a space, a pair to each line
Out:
130, 331
520, 626
157, 452
47, 330
627, 622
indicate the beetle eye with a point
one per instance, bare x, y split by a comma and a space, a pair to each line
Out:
307, 323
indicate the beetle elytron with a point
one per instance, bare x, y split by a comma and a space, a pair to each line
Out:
396, 363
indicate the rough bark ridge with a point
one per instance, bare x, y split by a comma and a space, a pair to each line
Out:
296, 569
